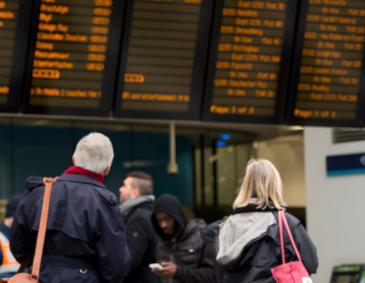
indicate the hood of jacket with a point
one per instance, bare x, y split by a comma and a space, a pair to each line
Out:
193, 226
170, 205
241, 229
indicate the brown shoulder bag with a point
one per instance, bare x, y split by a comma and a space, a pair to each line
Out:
36, 266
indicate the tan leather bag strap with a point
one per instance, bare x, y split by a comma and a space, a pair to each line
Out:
48, 182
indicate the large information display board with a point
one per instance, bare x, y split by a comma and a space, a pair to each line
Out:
14, 15
328, 86
73, 64
249, 61
163, 59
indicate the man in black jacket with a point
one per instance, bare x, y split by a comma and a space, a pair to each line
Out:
85, 238
181, 250
137, 200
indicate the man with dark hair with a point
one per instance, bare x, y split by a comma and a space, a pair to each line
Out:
184, 255
137, 200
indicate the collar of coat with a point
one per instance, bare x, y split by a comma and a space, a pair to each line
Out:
128, 205
253, 208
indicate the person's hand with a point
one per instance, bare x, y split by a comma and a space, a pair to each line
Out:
168, 270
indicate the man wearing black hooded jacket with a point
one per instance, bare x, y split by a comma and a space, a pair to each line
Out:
184, 256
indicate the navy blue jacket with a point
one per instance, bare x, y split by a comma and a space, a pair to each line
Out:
85, 238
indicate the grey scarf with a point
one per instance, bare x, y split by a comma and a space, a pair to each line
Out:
129, 204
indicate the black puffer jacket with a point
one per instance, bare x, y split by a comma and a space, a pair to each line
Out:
249, 246
194, 258
141, 239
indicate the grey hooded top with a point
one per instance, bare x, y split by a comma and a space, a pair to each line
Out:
249, 246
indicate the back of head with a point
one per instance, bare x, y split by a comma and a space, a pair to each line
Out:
94, 152
12, 205
262, 181
141, 181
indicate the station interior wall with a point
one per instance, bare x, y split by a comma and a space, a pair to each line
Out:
287, 154
28, 149
335, 205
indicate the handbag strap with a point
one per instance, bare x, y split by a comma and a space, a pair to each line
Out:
282, 219
48, 182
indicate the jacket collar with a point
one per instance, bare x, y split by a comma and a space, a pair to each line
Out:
253, 208
81, 171
80, 179
127, 206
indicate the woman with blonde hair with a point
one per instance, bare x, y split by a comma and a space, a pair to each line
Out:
248, 241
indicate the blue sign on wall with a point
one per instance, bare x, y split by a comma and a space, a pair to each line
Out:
346, 164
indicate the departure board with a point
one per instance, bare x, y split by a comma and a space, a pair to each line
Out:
328, 88
73, 60
249, 61
13, 45
163, 60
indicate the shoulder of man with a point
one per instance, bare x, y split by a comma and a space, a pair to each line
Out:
197, 224
33, 182
142, 211
194, 228
106, 195
96, 188
211, 231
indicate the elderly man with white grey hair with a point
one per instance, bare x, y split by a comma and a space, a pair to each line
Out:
85, 238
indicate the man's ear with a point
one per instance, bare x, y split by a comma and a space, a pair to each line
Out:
106, 171
135, 193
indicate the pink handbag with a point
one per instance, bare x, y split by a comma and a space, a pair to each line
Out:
291, 272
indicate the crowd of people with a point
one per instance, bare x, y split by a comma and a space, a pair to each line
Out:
93, 237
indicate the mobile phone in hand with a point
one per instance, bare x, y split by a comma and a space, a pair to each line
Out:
155, 266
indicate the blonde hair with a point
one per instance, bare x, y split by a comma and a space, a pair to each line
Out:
263, 182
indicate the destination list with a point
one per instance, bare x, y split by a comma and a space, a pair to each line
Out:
70, 53
330, 70
248, 58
